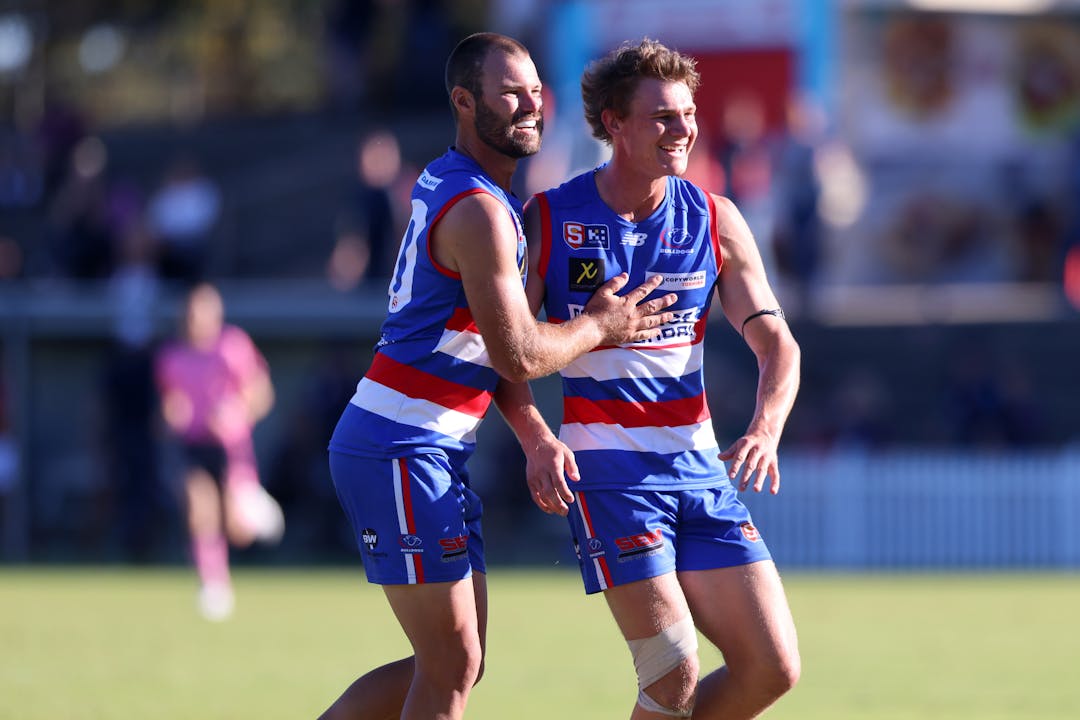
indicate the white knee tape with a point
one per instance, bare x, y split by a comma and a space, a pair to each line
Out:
656, 656
647, 703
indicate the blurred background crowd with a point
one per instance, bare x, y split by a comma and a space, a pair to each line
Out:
910, 169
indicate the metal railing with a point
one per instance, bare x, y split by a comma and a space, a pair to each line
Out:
925, 509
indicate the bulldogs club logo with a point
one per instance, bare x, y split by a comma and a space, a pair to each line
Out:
411, 543
596, 547
750, 532
676, 241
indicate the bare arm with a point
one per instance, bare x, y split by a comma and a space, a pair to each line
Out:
548, 462
477, 239
744, 290
259, 395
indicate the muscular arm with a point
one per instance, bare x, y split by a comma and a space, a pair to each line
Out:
548, 462
477, 239
743, 290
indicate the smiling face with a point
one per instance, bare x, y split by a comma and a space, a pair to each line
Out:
509, 111
658, 132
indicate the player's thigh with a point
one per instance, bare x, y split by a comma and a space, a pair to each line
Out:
743, 610
645, 607
440, 619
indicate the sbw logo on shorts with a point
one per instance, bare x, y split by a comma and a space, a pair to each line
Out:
454, 547
639, 545
578, 235
370, 538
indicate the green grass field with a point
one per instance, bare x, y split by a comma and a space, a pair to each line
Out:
82, 644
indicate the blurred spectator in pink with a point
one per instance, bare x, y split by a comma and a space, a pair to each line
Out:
215, 385
182, 214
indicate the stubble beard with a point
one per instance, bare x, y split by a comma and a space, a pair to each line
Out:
498, 134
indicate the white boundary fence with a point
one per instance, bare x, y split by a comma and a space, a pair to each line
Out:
924, 509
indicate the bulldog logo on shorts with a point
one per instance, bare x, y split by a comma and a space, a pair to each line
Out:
750, 532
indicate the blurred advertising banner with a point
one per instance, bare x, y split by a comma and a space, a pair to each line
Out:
969, 83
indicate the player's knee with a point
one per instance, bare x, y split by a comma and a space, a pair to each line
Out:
786, 672
776, 677
674, 693
471, 664
456, 667
667, 669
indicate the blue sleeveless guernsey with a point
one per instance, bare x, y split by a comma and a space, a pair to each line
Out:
635, 416
431, 380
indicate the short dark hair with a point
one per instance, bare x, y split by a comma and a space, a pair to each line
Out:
609, 83
465, 64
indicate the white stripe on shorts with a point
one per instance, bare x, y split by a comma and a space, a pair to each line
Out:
403, 524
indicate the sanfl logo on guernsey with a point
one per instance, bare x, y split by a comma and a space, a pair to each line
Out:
579, 235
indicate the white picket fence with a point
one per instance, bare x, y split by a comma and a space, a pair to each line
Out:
924, 509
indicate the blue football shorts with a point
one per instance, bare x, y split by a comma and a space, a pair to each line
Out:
415, 518
621, 537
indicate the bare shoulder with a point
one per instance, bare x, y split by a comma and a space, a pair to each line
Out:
473, 213
475, 225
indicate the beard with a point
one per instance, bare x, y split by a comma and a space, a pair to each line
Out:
499, 134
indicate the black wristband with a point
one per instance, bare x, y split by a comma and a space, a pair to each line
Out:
775, 312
